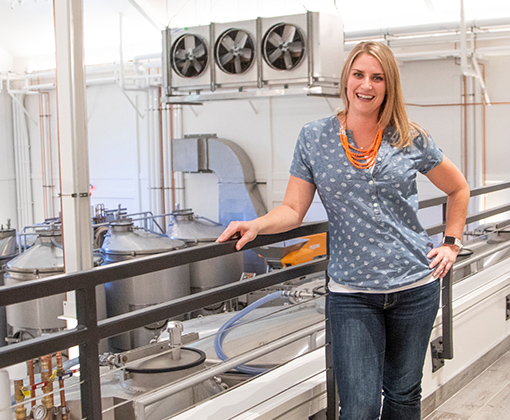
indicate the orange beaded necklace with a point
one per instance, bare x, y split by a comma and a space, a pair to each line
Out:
362, 159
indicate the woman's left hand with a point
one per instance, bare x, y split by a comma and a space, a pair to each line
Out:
444, 257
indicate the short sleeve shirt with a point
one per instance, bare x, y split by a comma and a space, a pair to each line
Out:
376, 239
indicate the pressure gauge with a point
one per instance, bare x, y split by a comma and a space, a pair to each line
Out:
39, 412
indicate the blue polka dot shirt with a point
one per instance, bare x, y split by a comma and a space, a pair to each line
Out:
376, 239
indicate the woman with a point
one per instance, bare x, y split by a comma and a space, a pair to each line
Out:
383, 270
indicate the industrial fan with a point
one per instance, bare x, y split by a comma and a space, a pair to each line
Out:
189, 55
283, 46
235, 51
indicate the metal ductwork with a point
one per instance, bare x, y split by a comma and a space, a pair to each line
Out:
239, 197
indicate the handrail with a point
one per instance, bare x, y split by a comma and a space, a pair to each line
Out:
475, 192
90, 331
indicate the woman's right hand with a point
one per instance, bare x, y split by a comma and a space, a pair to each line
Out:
245, 231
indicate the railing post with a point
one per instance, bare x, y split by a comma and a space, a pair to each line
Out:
447, 316
331, 391
86, 311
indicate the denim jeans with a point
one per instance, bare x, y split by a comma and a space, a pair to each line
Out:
379, 344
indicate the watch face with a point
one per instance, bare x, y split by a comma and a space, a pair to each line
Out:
449, 240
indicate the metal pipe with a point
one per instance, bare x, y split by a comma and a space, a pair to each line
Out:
46, 368
60, 374
483, 255
31, 378
464, 65
433, 27
481, 80
20, 410
158, 395
161, 153
147, 15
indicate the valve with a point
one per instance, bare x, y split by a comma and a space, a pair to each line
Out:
175, 329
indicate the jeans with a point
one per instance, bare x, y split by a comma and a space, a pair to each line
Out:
379, 346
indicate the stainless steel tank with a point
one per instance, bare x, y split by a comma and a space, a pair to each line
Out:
195, 231
8, 249
43, 259
7, 243
123, 242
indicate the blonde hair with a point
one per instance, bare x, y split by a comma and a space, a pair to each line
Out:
392, 112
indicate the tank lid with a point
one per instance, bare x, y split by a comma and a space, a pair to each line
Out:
188, 227
41, 257
124, 239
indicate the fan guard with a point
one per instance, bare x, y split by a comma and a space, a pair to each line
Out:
283, 46
234, 51
189, 56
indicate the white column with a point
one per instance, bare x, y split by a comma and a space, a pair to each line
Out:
73, 143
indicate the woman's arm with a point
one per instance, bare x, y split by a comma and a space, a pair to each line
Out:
288, 215
449, 179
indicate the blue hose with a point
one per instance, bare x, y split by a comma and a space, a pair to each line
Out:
234, 321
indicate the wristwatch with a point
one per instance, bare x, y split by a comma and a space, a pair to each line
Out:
452, 240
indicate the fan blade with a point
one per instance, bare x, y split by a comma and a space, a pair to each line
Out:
181, 54
237, 65
241, 39
197, 65
274, 39
288, 33
189, 42
199, 51
288, 60
226, 58
296, 47
246, 53
275, 55
185, 68
228, 42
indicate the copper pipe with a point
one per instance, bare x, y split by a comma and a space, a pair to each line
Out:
43, 154
460, 104
464, 84
172, 154
20, 410
161, 153
50, 154
46, 154
31, 376
484, 138
46, 367
60, 374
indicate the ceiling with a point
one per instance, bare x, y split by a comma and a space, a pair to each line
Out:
27, 32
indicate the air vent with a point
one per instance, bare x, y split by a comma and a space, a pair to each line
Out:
235, 51
283, 46
189, 55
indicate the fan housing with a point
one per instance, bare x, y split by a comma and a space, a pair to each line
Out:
283, 46
234, 51
189, 56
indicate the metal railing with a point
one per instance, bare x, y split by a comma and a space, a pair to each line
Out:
445, 351
90, 330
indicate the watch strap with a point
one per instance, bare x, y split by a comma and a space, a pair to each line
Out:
452, 241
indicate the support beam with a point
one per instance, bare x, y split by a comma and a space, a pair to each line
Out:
74, 185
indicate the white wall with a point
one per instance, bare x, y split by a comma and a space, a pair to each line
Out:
265, 128
7, 171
